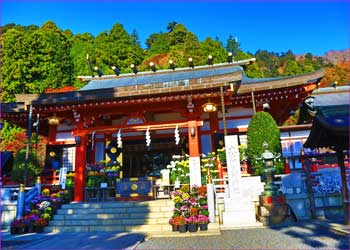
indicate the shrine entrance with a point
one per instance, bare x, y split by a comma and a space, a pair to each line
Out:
140, 160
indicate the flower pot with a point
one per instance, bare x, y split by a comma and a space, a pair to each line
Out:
30, 228
14, 230
203, 227
21, 230
192, 228
183, 228
39, 229
175, 228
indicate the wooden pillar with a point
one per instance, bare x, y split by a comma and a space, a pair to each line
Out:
214, 128
194, 164
52, 133
345, 190
193, 141
80, 168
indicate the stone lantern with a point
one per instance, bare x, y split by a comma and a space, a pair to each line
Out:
272, 208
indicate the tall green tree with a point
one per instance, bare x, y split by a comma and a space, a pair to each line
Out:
35, 59
82, 45
177, 35
214, 48
117, 48
190, 47
159, 45
292, 68
262, 127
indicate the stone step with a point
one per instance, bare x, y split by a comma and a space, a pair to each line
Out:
106, 216
145, 217
100, 222
113, 210
109, 228
120, 204
161, 230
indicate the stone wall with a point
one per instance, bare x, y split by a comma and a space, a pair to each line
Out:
326, 186
8, 214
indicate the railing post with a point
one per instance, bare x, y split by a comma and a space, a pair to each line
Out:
20, 202
38, 185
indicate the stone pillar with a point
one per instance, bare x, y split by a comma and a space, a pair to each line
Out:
233, 164
211, 201
194, 161
80, 169
239, 208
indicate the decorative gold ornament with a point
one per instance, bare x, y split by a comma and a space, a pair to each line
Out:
134, 187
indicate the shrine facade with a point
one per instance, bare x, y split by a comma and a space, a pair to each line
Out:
142, 119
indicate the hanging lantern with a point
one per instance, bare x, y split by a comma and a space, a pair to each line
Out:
209, 107
54, 120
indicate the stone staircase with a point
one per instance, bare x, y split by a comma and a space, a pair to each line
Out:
146, 217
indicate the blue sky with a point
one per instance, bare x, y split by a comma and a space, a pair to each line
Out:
301, 26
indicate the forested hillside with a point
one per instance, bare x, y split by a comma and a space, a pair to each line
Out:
34, 59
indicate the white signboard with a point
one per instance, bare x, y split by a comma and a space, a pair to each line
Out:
195, 171
63, 177
233, 164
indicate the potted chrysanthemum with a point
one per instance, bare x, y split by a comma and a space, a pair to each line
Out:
203, 221
192, 223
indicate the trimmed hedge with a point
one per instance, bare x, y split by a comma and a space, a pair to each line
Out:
262, 127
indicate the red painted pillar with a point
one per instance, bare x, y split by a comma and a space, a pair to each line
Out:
214, 127
286, 167
193, 142
80, 169
52, 133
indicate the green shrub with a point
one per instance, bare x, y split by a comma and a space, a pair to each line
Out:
262, 127
34, 167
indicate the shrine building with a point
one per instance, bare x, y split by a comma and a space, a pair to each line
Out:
114, 114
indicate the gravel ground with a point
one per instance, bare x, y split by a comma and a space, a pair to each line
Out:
298, 236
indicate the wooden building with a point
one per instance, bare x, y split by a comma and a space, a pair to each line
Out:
201, 103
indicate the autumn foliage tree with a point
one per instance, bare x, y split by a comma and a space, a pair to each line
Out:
339, 73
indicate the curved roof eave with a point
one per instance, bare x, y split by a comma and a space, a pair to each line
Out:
315, 74
160, 77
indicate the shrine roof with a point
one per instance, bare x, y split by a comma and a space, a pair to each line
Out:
161, 76
331, 124
247, 80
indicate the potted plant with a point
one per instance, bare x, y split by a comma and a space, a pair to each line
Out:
46, 216
202, 191
46, 192
203, 210
203, 221
192, 223
21, 227
180, 221
29, 221
14, 226
173, 225
39, 224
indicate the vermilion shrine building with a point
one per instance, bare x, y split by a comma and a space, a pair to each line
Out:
161, 101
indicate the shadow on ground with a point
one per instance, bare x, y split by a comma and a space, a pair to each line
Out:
103, 240
313, 235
